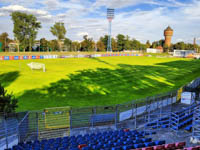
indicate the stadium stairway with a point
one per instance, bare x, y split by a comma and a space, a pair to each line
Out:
183, 118
177, 120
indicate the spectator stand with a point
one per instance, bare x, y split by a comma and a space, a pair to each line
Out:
158, 114
182, 119
134, 115
196, 125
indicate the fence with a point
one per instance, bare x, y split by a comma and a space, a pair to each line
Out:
35, 125
60, 122
66, 56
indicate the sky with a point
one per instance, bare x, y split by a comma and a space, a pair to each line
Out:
140, 19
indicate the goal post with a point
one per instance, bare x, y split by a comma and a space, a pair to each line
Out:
58, 117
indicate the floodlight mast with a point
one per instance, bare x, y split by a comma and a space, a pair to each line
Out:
110, 17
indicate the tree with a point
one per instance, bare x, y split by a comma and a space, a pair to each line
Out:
4, 40
120, 42
114, 45
148, 44
100, 46
68, 44
43, 45
127, 45
53, 44
161, 42
76, 46
8, 103
87, 44
135, 44
59, 31
166, 48
25, 28
179, 45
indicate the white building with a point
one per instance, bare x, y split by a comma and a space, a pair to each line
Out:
183, 53
153, 50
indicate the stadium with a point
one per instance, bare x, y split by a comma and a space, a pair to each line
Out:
110, 93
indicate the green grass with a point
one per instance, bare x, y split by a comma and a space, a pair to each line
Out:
82, 82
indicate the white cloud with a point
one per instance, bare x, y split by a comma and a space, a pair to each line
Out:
82, 34
192, 11
119, 3
179, 40
51, 4
126, 3
41, 14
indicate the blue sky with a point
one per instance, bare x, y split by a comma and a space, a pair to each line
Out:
140, 19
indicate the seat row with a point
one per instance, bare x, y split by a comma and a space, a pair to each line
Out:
91, 145
193, 148
163, 123
188, 128
172, 146
182, 118
182, 112
103, 140
182, 124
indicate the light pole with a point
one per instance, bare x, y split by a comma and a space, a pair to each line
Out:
110, 17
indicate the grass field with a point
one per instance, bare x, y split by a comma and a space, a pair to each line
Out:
94, 81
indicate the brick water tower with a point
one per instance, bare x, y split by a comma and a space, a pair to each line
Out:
168, 33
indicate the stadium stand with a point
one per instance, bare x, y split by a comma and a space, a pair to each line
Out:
109, 140
115, 140
176, 120
183, 118
87, 127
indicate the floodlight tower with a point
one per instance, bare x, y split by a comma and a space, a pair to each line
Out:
110, 17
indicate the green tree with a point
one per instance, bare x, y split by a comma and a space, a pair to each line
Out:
135, 44
8, 103
100, 46
114, 44
5, 41
120, 42
76, 46
179, 45
68, 44
166, 48
59, 31
53, 44
25, 28
127, 45
87, 44
105, 41
148, 44
43, 45
161, 42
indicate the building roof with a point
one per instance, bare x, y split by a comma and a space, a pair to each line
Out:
159, 47
168, 29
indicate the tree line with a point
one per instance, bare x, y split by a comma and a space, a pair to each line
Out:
26, 27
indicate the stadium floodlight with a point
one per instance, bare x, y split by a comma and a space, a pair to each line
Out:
110, 17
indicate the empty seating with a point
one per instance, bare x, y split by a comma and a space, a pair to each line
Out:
119, 139
172, 146
193, 148
183, 118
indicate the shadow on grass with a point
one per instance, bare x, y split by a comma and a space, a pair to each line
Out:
105, 86
101, 61
7, 78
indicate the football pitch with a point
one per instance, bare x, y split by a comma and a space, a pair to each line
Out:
82, 82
